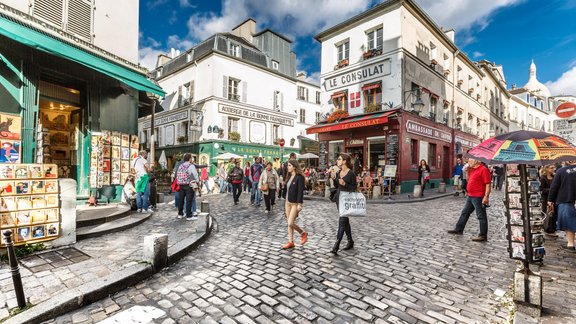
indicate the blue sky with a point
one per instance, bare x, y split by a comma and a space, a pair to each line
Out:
507, 32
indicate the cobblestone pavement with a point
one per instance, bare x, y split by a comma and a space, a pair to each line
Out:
404, 269
107, 254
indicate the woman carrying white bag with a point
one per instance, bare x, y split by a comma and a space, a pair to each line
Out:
346, 186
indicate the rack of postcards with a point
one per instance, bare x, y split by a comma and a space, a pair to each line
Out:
111, 156
29, 202
524, 213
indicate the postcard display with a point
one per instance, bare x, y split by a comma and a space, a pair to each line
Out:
524, 214
29, 202
10, 138
57, 140
111, 156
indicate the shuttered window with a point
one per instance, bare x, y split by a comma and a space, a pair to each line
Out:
51, 11
79, 20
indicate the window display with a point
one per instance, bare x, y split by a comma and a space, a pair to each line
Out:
111, 157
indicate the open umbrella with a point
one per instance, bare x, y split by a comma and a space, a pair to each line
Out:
308, 156
227, 156
524, 147
288, 155
163, 161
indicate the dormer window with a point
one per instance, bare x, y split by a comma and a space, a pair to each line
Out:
275, 65
234, 50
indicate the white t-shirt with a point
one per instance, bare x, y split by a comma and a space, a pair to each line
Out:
140, 166
128, 190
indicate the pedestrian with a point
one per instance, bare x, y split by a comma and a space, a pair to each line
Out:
563, 194
256, 194
344, 180
478, 187
141, 168
129, 193
294, 200
493, 170
546, 177
152, 185
236, 178
222, 176
196, 187
284, 173
457, 175
205, 179
465, 179
281, 179
423, 175
187, 178
231, 164
176, 193
247, 178
500, 177
357, 164
269, 182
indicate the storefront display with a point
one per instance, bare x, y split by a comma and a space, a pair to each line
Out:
10, 138
29, 202
111, 156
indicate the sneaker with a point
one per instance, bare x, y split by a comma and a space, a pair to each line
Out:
288, 245
193, 218
304, 238
139, 210
180, 216
568, 248
195, 213
266, 211
454, 231
480, 238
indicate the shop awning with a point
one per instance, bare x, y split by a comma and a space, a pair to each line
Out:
371, 86
51, 45
338, 94
352, 122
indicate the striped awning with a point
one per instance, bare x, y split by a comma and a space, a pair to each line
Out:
351, 122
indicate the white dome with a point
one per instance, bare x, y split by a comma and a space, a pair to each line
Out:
535, 86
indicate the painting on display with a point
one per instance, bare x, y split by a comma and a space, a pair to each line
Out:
10, 127
9, 151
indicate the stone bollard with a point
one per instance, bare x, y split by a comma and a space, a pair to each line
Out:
376, 192
528, 302
205, 207
327, 192
159, 198
417, 191
442, 187
156, 250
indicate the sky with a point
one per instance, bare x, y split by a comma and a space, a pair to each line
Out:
510, 33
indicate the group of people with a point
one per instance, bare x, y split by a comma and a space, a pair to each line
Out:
139, 184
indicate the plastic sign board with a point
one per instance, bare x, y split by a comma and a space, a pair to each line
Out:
566, 110
390, 171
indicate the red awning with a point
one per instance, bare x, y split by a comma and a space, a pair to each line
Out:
352, 122
338, 95
371, 86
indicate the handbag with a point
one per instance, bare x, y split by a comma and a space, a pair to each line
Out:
175, 186
264, 187
351, 204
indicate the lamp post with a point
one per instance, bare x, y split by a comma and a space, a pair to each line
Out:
418, 104
153, 97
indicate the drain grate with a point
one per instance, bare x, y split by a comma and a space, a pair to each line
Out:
53, 259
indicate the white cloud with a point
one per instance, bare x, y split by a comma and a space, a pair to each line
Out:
566, 83
186, 4
147, 56
174, 41
477, 54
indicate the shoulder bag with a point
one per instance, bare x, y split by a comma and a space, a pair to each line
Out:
351, 204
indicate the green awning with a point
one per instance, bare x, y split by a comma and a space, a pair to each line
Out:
48, 44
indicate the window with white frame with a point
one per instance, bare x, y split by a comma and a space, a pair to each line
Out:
275, 132
278, 103
234, 50
233, 89
302, 115
343, 51
318, 116
374, 39
302, 93
318, 97
275, 65
233, 124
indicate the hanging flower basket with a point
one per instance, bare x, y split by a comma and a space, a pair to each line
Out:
337, 115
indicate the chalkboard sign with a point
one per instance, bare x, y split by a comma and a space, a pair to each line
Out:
322, 156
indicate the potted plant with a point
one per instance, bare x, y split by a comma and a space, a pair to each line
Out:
234, 136
343, 63
337, 115
182, 139
372, 108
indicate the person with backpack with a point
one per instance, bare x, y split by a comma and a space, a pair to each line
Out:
256, 194
187, 179
236, 178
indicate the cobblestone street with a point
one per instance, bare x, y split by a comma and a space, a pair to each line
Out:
404, 268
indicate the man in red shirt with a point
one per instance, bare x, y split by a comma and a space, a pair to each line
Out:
478, 199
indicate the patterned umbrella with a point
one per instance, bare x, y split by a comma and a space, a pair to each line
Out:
524, 147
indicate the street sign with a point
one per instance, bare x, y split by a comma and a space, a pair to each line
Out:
566, 128
566, 110
281, 142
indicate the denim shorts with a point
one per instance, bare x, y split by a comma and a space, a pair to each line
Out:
566, 217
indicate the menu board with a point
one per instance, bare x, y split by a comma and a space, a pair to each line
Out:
29, 202
323, 156
392, 149
111, 157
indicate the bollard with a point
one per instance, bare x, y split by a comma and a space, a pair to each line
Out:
205, 207
442, 187
417, 191
14, 269
156, 250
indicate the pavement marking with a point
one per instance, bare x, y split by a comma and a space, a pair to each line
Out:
135, 315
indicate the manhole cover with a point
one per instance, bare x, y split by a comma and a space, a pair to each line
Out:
53, 259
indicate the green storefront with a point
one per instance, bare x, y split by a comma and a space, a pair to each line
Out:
62, 93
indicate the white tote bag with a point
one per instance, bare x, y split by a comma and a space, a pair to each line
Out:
351, 204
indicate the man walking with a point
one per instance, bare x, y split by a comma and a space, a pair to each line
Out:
478, 199
563, 193
222, 175
186, 176
256, 194
457, 174
141, 168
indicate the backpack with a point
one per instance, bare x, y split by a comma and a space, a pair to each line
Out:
182, 175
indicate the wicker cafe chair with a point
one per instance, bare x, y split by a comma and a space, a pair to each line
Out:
366, 187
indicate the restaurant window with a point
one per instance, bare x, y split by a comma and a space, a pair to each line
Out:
374, 39
233, 124
340, 101
334, 149
372, 95
432, 155
302, 115
376, 153
343, 50
414, 151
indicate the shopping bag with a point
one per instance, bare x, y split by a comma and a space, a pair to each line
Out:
351, 204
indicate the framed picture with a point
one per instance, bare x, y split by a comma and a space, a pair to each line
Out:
38, 232
55, 120
6, 171
36, 172
53, 229
105, 179
133, 153
534, 186
125, 166
515, 201
532, 173
21, 172
10, 151
536, 226
116, 165
7, 204
60, 138
134, 142
52, 215
50, 171
116, 139
123, 177
115, 180
38, 216
518, 251
537, 239
125, 153
51, 200
512, 170
513, 184
6, 188
517, 234
534, 200
23, 203
115, 152
516, 217
6, 220
125, 140
51, 186
536, 213
106, 151
106, 165
22, 187
38, 201
11, 126
23, 234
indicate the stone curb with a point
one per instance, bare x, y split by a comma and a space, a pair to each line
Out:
95, 290
384, 201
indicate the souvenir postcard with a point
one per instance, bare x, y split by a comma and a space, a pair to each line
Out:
6, 220
533, 173
538, 253
115, 152
125, 166
23, 203
23, 234
514, 184
125, 140
534, 186
537, 239
516, 217
116, 165
51, 200
53, 229
517, 233
134, 142
514, 200
37, 186
6, 171
50, 171
536, 213
38, 216
133, 153
7, 204
512, 170
38, 202
518, 251
52, 214
51, 186
106, 151
22, 187
22, 217
36, 172
6, 188
123, 178
115, 138
38, 231
106, 165
105, 180
21, 172
125, 153
536, 226
534, 200
10, 151
115, 178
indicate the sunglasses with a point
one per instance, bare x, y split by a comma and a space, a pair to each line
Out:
339, 159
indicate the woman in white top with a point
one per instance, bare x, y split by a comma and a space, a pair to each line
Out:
129, 191
272, 180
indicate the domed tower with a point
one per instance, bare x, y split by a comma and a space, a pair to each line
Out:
534, 86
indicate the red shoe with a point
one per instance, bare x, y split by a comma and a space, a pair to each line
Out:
288, 245
304, 238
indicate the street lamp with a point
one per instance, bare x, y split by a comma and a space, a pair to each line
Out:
418, 104
153, 97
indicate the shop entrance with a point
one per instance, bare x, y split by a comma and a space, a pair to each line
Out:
358, 153
58, 128
376, 154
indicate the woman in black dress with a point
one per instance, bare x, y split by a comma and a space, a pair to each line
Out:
344, 180
423, 175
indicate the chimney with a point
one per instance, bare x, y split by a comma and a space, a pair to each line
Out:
246, 30
514, 86
450, 34
301, 76
162, 60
